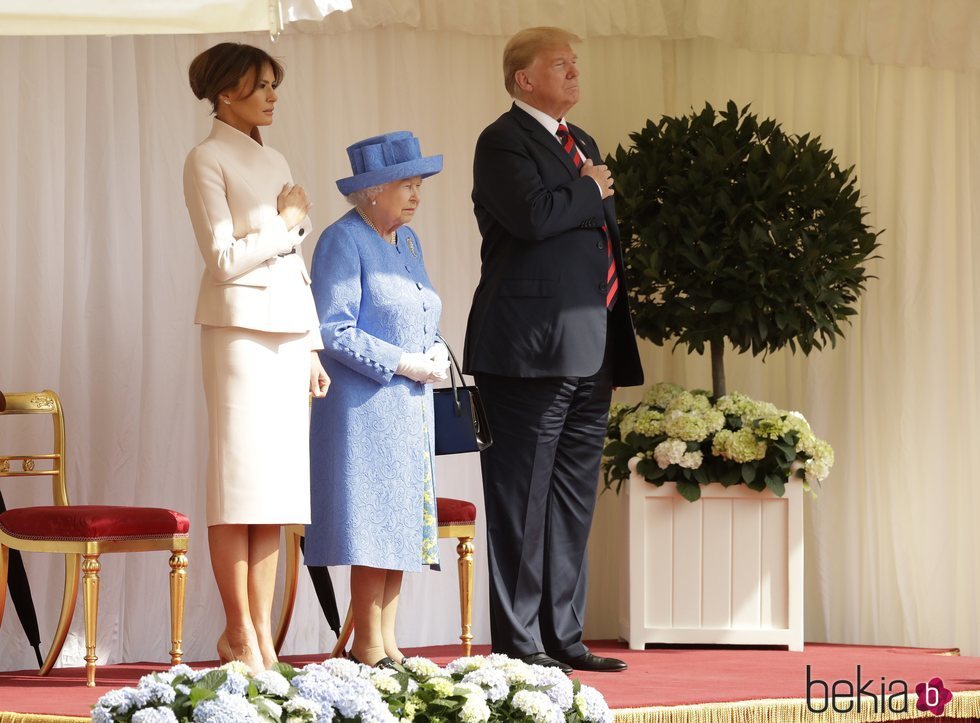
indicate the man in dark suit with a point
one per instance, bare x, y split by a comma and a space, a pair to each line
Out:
549, 336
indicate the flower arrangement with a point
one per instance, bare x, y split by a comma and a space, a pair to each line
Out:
686, 437
475, 689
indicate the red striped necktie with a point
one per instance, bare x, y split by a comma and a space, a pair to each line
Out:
612, 280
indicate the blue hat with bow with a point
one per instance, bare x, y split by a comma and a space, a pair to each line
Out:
385, 158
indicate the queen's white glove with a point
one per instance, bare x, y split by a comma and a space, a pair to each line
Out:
438, 354
417, 367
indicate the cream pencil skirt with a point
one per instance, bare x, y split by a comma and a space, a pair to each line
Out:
257, 388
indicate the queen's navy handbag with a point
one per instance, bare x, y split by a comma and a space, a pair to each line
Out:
460, 419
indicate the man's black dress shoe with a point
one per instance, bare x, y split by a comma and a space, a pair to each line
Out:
547, 661
594, 663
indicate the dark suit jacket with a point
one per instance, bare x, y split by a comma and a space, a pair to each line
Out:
540, 307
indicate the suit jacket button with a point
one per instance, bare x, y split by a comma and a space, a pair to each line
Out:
602, 287
600, 244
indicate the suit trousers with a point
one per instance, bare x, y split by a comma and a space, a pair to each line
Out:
540, 480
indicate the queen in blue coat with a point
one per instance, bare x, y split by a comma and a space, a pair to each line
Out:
371, 441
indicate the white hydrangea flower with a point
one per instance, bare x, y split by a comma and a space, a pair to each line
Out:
412, 706
691, 460
661, 394
303, 710
466, 664
423, 667
669, 452
469, 689
515, 671
386, 684
689, 426
627, 424
714, 420
237, 666
475, 710
818, 466
741, 446
537, 706
590, 704
649, 423
271, 682
442, 686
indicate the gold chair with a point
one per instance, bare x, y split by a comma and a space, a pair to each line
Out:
84, 532
457, 518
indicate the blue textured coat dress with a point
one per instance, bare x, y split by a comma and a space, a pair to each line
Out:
371, 443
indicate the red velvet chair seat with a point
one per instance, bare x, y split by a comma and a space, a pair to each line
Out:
455, 512
92, 522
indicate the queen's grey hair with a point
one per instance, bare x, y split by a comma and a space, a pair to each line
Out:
364, 196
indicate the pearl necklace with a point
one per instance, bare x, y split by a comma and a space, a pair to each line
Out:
391, 241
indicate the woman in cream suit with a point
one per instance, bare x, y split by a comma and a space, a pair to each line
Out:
259, 337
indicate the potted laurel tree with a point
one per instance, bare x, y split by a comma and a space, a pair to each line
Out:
477, 689
735, 233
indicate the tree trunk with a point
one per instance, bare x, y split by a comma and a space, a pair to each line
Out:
718, 367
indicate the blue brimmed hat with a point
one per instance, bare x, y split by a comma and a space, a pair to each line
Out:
386, 158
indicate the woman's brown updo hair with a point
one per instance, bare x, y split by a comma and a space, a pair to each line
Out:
223, 66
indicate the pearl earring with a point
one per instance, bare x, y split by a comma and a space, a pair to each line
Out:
227, 102
374, 203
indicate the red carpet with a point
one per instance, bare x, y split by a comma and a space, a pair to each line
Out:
673, 685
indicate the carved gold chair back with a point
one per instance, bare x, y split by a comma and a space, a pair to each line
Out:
50, 464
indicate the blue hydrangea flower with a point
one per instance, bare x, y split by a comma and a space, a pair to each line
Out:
226, 708
491, 680
102, 715
155, 691
154, 715
556, 684
235, 684
122, 700
181, 670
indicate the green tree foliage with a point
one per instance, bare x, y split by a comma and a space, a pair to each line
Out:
735, 230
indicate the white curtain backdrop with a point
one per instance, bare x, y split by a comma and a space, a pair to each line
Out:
153, 17
99, 275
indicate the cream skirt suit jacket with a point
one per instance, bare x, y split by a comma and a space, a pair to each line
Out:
258, 327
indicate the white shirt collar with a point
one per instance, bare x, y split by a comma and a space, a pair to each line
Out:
549, 123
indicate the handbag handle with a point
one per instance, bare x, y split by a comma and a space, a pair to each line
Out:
453, 367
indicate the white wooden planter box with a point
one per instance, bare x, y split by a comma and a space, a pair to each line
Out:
727, 569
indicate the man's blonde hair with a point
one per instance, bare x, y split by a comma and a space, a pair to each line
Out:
526, 44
